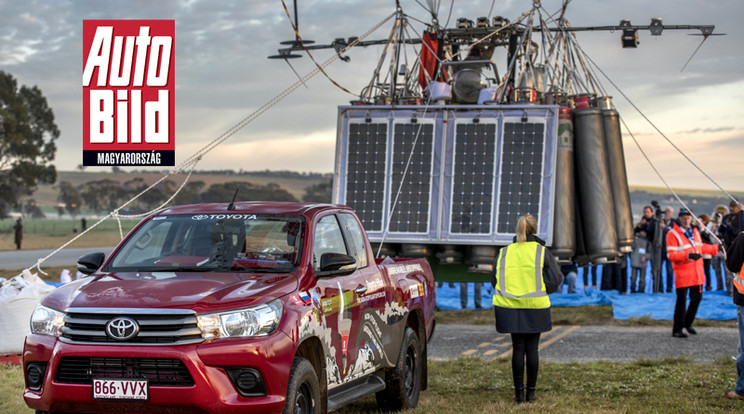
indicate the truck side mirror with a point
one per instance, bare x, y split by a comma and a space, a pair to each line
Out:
90, 262
336, 264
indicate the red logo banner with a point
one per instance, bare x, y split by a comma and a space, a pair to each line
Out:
128, 92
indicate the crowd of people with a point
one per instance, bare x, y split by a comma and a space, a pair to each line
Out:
629, 274
525, 273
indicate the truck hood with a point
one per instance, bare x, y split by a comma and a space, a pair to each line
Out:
201, 292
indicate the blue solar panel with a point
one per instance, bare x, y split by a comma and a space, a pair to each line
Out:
366, 165
521, 173
411, 214
472, 178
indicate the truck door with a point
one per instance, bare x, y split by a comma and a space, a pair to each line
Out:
340, 307
371, 298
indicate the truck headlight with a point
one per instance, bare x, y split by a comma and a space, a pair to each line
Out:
47, 321
259, 320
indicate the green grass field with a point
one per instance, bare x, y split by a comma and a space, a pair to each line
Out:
474, 386
52, 233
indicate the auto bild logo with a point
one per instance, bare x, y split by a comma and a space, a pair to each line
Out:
128, 92
122, 328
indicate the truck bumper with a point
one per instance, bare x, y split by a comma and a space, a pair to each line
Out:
207, 363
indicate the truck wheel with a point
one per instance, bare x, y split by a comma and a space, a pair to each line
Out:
303, 390
404, 380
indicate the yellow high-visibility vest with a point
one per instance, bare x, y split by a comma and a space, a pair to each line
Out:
519, 282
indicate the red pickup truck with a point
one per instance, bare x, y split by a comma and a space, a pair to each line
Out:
247, 307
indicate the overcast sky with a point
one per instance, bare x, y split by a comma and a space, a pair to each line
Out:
222, 75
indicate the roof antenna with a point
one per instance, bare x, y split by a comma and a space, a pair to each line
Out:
231, 206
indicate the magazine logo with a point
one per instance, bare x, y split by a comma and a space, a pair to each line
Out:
128, 92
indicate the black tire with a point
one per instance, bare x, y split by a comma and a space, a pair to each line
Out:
404, 380
303, 389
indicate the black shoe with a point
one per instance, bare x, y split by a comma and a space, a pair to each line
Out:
531, 394
691, 330
519, 395
478, 307
679, 334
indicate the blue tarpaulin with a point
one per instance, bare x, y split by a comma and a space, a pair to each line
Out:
716, 304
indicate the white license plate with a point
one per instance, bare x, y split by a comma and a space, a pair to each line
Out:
120, 389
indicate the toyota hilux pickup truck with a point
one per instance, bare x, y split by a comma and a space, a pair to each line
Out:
257, 307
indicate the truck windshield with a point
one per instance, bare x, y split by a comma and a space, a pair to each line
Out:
213, 242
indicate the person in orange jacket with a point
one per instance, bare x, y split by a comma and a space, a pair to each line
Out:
685, 250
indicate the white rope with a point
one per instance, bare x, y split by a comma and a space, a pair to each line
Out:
402, 179
41, 260
405, 171
658, 130
115, 214
166, 202
570, 42
493, 2
674, 193
666, 184
592, 79
260, 111
415, 142
197, 156
452, 3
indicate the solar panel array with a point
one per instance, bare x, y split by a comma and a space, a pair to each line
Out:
366, 166
460, 176
413, 145
472, 178
521, 173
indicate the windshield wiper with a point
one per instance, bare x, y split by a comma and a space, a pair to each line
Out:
184, 269
259, 269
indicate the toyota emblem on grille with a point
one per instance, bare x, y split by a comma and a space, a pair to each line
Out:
122, 328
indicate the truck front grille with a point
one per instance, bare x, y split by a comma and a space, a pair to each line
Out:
157, 371
155, 326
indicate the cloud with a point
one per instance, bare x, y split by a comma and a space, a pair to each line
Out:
222, 74
708, 130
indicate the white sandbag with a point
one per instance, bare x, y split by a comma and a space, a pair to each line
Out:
18, 299
65, 277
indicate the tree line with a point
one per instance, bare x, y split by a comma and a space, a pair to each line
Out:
105, 195
27, 149
297, 175
27, 143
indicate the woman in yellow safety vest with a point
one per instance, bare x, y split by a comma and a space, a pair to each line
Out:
524, 273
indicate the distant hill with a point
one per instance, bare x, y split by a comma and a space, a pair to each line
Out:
294, 182
700, 201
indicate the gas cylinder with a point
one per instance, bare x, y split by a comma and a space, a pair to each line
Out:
618, 175
580, 257
564, 216
592, 177
415, 250
480, 258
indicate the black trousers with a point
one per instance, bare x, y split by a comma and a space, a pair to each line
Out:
684, 318
525, 345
